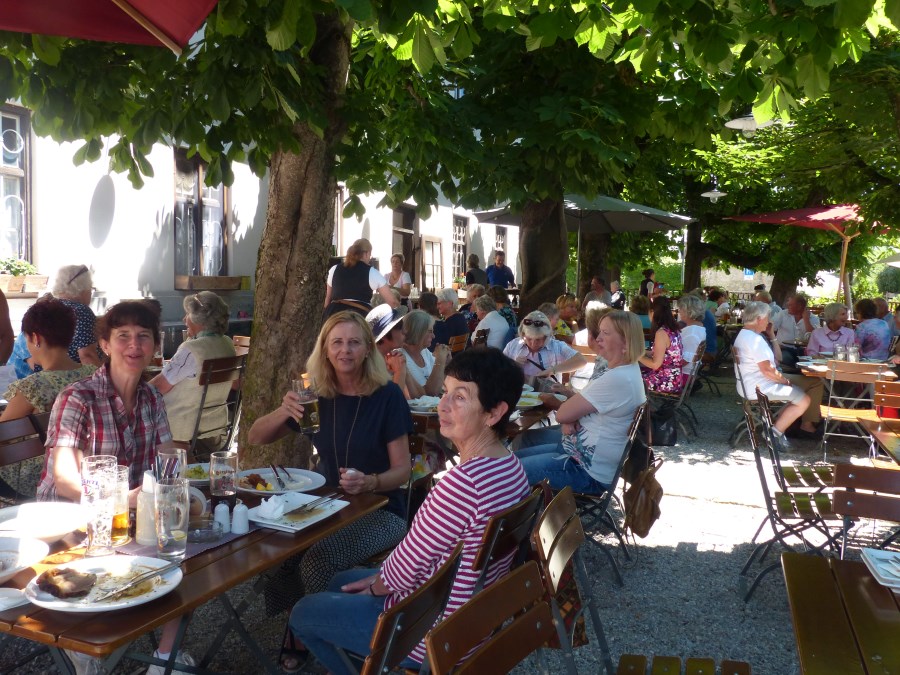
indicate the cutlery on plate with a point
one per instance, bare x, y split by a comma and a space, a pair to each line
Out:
140, 578
315, 503
286, 472
277, 477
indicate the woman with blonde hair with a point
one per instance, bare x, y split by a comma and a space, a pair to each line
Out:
362, 444
595, 421
206, 318
350, 286
424, 370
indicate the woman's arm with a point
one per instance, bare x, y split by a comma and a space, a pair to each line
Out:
327, 295
269, 428
388, 296
405, 285
572, 363
397, 475
574, 409
18, 407
67, 472
661, 343
770, 373
415, 389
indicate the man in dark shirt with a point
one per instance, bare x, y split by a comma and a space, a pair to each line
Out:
499, 274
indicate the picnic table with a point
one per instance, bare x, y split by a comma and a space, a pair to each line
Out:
207, 576
845, 622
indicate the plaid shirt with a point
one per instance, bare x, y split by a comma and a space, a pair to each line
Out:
90, 416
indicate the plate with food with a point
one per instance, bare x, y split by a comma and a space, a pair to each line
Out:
77, 586
17, 554
424, 405
197, 474
528, 402
263, 481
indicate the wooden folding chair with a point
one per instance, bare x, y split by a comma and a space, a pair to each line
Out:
887, 395
510, 620
403, 626
457, 343
679, 402
508, 533
241, 344
866, 492
19, 441
593, 509
789, 514
557, 538
223, 371
849, 408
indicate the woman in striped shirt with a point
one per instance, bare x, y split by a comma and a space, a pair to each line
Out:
481, 390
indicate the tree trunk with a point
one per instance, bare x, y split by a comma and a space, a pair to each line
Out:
693, 257
544, 253
593, 261
293, 256
783, 286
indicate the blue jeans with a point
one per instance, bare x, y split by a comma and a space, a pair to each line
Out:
550, 462
332, 619
539, 436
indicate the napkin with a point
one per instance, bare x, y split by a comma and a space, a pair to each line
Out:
272, 508
11, 597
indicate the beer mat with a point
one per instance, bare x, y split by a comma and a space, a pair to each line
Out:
134, 548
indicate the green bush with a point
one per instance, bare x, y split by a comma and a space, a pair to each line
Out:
888, 280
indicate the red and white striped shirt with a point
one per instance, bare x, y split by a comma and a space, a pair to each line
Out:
457, 509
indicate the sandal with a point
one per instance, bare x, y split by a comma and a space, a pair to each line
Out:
292, 657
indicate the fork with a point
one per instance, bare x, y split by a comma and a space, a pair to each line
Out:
315, 503
286, 472
277, 477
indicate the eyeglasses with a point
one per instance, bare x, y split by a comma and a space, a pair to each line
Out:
537, 323
83, 269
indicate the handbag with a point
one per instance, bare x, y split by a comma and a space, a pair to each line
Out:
642, 500
663, 427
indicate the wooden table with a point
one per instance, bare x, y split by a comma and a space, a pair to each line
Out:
886, 433
206, 577
845, 622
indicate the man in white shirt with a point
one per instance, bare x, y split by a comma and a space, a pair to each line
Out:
794, 323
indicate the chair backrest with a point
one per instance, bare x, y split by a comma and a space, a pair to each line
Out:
736, 357
220, 371
506, 532
481, 337
850, 371
887, 393
510, 618
41, 423
865, 492
768, 422
241, 341
557, 536
420, 423
458, 342
19, 440
893, 344
403, 626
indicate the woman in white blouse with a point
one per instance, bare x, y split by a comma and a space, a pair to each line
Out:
424, 370
398, 278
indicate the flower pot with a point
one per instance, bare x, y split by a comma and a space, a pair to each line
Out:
11, 284
35, 282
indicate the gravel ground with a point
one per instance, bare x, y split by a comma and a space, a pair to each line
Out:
681, 591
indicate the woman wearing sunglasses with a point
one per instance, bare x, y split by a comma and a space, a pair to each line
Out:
539, 354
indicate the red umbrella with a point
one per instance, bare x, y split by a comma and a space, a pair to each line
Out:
834, 218
168, 23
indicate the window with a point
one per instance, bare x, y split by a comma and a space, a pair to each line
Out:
460, 235
433, 263
500, 239
200, 237
14, 183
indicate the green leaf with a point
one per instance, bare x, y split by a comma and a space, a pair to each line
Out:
361, 10
46, 48
218, 104
282, 34
818, 3
892, 11
811, 77
422, 53
850, 13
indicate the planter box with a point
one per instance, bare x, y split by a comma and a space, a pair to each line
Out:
193, 283
35, 282
11, 284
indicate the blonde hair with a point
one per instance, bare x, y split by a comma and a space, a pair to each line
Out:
416, 324
374, 371
356, 251
564, 300
593, 318
628, 326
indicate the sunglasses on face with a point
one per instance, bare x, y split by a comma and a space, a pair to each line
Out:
537, 323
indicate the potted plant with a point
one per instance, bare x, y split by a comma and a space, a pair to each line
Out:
459, 282
13, 273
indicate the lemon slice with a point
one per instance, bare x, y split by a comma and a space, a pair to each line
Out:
178, 535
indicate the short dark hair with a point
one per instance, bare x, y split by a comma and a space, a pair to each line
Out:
129, 312
661, 314
53, 320
497, 377
716, 294
865, 309
428, 303
498, 294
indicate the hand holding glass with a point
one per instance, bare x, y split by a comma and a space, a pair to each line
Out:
304, 387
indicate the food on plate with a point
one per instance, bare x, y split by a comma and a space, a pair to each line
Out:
254, 481
66, 583
196, 473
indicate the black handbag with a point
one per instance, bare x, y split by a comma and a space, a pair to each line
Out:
663, 427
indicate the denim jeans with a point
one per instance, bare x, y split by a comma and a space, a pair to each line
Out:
550, 462
332, 619
534, 437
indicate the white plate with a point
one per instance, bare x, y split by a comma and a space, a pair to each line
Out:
299, 521
118, 569
527, 388
424, 405
304, 481
47, 521
199, 481
17, 554
884, 571
525, 403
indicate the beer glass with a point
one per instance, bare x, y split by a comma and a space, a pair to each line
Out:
98, 494
223, 467
304, 387
120, 524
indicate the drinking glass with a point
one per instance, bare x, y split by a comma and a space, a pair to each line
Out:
223, 467
840, 352
120, 524
171, 500
98, 494
305, 388
853, 353
171, 462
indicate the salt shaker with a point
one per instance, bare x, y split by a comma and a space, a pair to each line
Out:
223, 517
240, 521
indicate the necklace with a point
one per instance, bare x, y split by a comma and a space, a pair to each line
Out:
337, 461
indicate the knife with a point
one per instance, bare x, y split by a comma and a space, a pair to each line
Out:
277, 477
140, 578
315, 503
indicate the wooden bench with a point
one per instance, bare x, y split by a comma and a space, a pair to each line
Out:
635, 664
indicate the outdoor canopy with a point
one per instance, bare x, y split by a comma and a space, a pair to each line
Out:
833, 218
601, 215
169, 23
